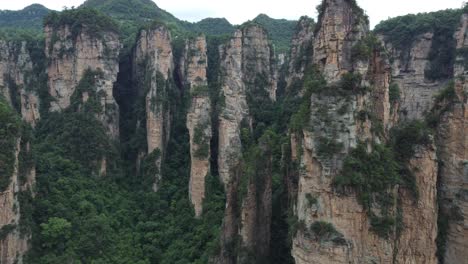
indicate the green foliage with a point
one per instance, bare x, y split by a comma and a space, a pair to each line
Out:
88, 85
214, 26
327, 147
280, 31
311, 199
203, 144
29, 18
372, 175
324, 232
90, 20
363, 49
394, 93
80, 137
6, 230
350, 82
10, 131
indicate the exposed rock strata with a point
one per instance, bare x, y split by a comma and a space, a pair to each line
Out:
16, 83
408, 67
70, 55
195, 63
453, 154
154, 66
15, 244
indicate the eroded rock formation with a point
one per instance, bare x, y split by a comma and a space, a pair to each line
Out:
17, 83
195, 63
71, 54
153, 68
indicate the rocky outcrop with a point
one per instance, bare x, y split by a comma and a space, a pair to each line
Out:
71, 54
301, 53
17, 84
195, 63
452, 142
249, 81
14, 240
415, 244
153, 70
341, 25
408, 72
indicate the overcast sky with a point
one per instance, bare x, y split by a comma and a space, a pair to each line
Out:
239, 11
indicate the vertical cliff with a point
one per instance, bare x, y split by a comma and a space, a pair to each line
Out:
341, 24
301, 53
452, 139
17, 178
408, 73
76, 50
249, 81
344, 212
153, 72
194, 67
17, 83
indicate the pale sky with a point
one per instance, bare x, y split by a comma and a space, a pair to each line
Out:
239, 11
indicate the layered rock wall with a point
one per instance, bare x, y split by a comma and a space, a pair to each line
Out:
198, 118
154, 66
16, 82
70, 55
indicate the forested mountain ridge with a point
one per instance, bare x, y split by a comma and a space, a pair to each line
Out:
133, 14
135, 141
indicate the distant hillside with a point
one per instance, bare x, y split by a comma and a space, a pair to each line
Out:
214, 26
133, 14
28, 18
280, 31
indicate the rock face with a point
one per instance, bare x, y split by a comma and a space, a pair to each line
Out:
341, 25
16, 83
416, 244
249, 76
408, 67
336, 124
301, 52
195, 63
154, 66
70, 55
15, 243
452, 142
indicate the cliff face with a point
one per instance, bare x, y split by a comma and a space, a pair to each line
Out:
301, 52
249, 77
195, 63
415, 244
408, 72
341, 25
153, 68
70, 56
18, 181
332, 225
452, 137
16, 83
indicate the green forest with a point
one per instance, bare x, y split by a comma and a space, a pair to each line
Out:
76, 215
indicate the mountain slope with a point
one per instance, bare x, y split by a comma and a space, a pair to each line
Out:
280, 31
28, 18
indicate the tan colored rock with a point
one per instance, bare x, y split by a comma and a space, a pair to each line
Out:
195, 66
70, 56
15, 66
154, 58
452, 142
14, 245
417, 241
248, 65
340, 26
417, 93
301, 52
